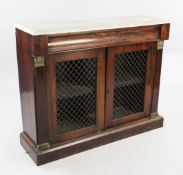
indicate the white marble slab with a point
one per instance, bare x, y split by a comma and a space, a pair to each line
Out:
65, 27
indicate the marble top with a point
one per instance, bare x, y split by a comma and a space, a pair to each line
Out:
68, 27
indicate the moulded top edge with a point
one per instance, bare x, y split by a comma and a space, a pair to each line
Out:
68, 27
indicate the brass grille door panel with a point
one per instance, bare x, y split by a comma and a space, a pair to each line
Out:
129, 83
79, 82
76, 94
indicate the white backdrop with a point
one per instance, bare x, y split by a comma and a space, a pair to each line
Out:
157, 152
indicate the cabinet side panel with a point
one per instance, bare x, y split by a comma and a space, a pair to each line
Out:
26, 83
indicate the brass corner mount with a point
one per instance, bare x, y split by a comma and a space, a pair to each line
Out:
39, 61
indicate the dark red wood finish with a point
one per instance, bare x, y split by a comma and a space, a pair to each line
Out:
100, 86
91, 141
39, 47
112, 51
164, 33
156, 85
37, 88
106, 38
26, 83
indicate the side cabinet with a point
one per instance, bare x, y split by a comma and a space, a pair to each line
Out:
83, 87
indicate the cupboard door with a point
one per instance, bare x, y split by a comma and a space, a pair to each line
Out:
129, 83
76, 87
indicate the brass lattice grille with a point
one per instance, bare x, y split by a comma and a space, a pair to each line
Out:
76, 94
129, 90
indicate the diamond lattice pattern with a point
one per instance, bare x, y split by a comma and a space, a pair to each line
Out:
76, 94
130, 76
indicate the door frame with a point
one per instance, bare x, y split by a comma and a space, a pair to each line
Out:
109, 93
99, 54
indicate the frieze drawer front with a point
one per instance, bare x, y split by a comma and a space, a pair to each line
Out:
85, 84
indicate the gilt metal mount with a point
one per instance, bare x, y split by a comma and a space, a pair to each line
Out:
154, 114
39, 61
43, 146
160, 44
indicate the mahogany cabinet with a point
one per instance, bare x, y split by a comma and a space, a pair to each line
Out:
85, 84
